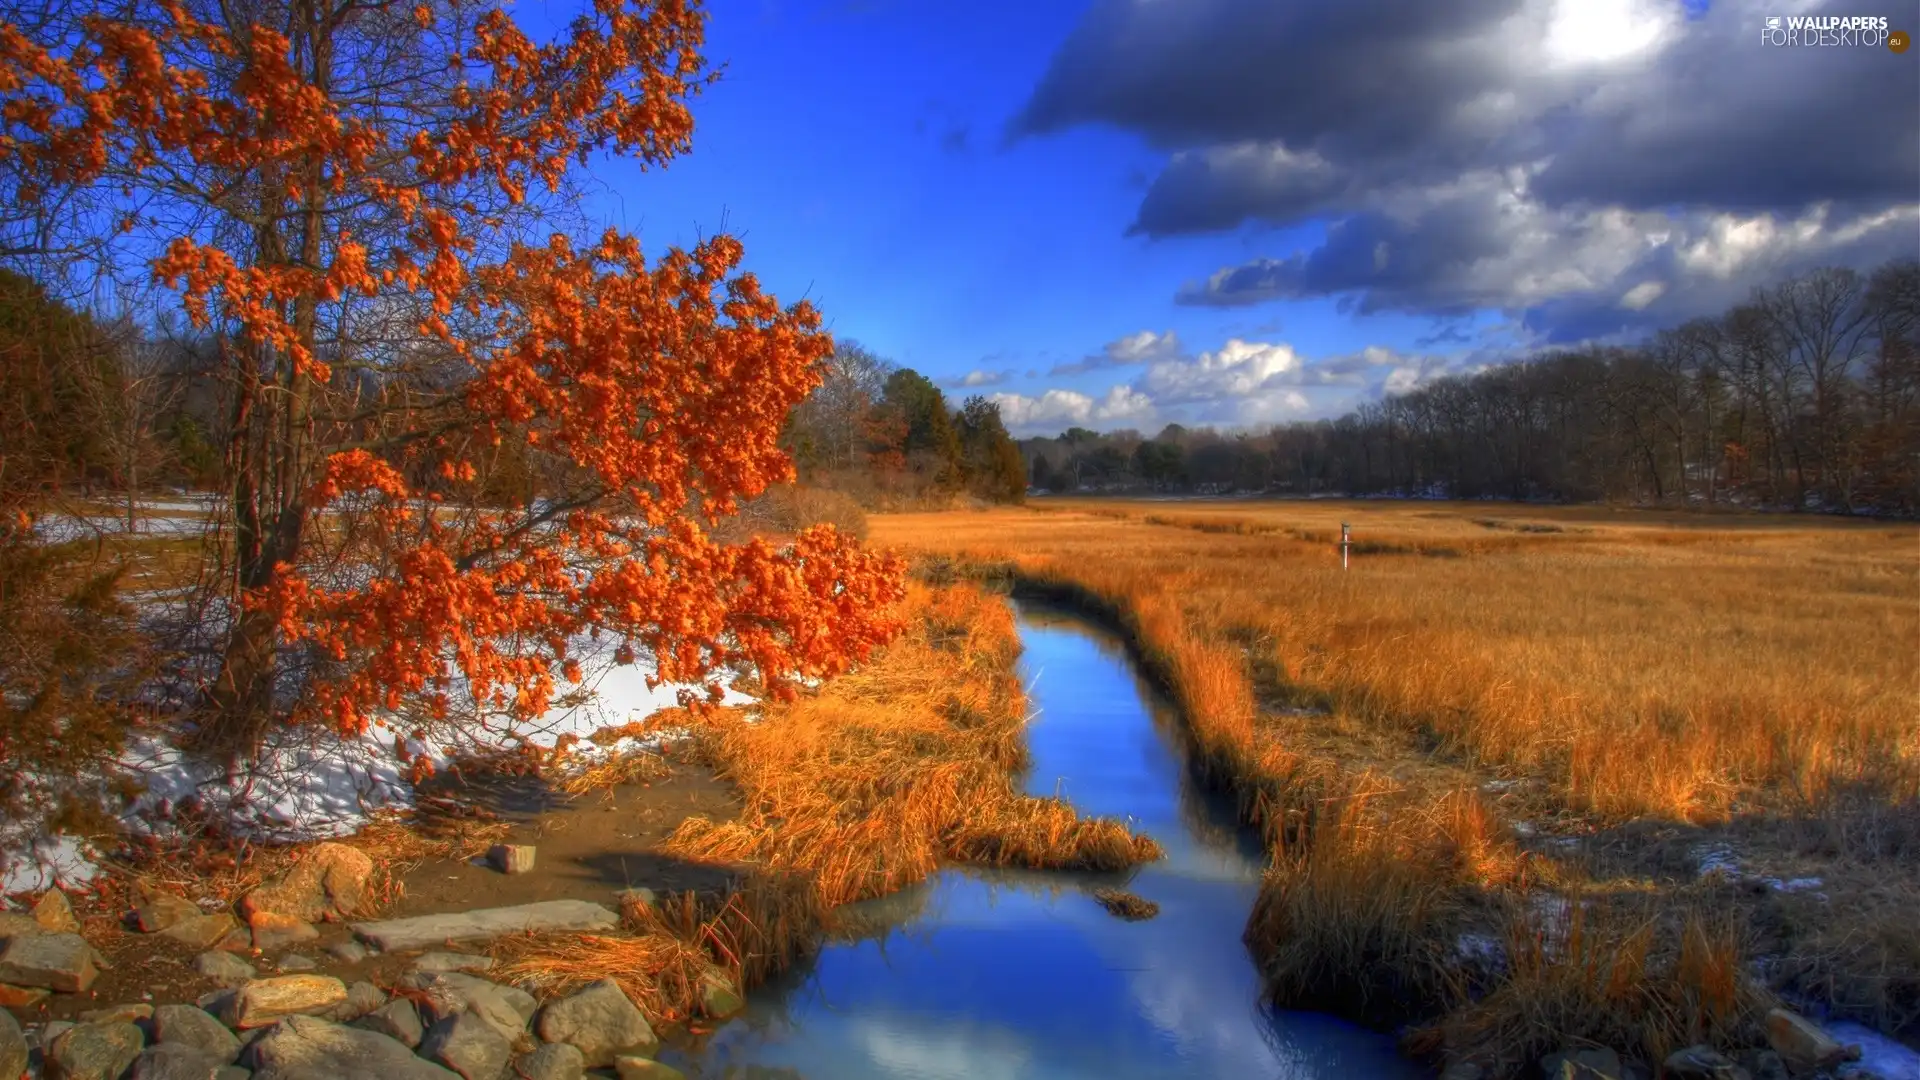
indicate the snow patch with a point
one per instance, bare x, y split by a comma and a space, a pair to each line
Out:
1879, 1056
1720, 859
44, 862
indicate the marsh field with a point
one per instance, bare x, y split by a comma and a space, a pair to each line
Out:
1528, 776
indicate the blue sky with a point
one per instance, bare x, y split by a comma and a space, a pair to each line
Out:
1000, 189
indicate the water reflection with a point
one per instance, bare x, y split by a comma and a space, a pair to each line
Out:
1021, 976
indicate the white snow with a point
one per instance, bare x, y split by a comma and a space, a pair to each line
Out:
1879, 1056
1720, 859
312, 784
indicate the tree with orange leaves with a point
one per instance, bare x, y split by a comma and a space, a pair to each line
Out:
353, 198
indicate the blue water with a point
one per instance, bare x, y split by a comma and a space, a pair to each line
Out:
1022, 976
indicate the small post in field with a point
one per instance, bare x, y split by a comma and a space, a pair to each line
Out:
1346, 541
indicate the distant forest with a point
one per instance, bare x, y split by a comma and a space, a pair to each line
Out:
1807, 396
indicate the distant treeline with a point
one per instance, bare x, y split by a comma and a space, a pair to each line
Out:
888, 436
1806, 396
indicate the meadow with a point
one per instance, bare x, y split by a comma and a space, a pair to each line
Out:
1557, 774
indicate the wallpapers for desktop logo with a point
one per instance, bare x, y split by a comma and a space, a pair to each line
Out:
1835, 31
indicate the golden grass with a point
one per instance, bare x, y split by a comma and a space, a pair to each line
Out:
1613, 667
860, 788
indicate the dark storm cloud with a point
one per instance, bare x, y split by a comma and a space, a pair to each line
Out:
1590, 164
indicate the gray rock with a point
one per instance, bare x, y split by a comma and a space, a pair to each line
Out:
202, 931
425, 931
639, 1068
162, 910
450, 994
1588, 1064
42, 1037
600, 1022
512, 858
718, 998
452, 961
62, 962
362, 998
470, 1044
348, 952
94, 1052
184, 1025
13, 1046
173, 1062
224, 968
638, 897
13, 925
118, 1014
296, 962
232, 1072
554, 1061
397, 1019
1801, 1043
308, 1048
1702, 1062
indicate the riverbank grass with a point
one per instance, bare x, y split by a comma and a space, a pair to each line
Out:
1531, 778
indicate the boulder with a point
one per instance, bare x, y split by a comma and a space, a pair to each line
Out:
511, 858
294, 961
362, 998
13, 924
327, 884
427, 931
118, 1014
600, 1022
449, 995
554, 1061
272, 930
161, 910
468, 1044
202, 931
62, 962
397, 1019
308, 1048
452, 961
22, 997
223, 968
462, 984
640, 1068
1800, 1042
55, 914
13, 1046
94, 1052
170, 1062
268, 1001
184, 1025
348, 952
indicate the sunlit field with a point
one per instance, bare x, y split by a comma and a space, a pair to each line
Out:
1496, 708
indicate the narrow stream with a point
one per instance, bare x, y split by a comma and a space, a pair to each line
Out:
1022, 976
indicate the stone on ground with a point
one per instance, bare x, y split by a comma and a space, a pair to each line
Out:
511, 858
293, 961
118, 1014
425, 931
13, 1046
470, 1045
202, 931
184, 1025
267, 1001
22, 997
397, 1019
1803, 1044
637, 897
55, 914
453, 961
327, 884
718, 998
450, 994
173, 1062
362, 998
600, 1022
308, 1048
554, 1061
1700, 1062
13, 924
223, 968
95, 1051
62, 962
640, 1068
348, 952
161, 910
272, 930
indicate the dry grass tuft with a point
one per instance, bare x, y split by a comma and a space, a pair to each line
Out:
1125, 905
